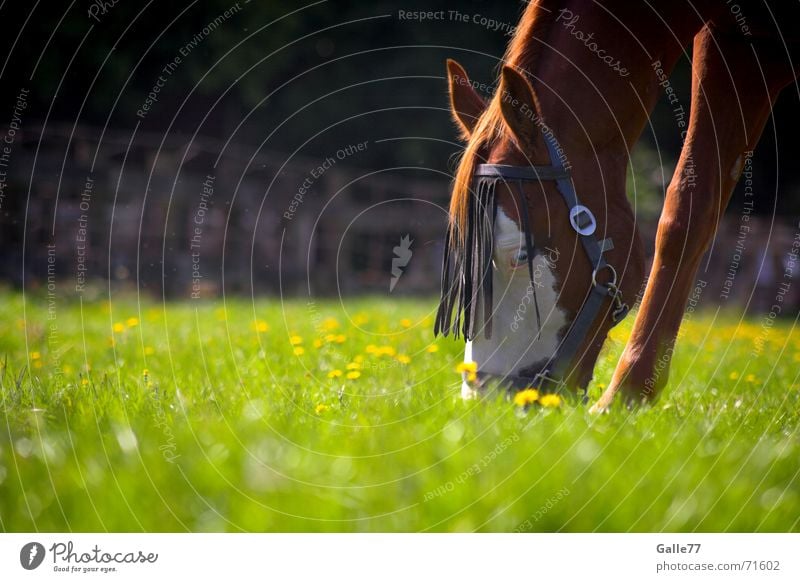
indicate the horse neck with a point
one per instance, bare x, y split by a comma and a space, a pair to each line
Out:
594, 69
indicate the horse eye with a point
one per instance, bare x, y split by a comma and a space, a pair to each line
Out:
521, 258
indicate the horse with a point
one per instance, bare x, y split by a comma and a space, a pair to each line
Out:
542, 254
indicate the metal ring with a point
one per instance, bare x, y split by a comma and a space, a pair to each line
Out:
574, 213
613, 275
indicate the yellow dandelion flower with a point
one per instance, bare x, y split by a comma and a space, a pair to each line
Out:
84, 382
467, 367
734, 375
37, 364
132, 322
318, 343
403, 359
525, 397
432, 349
261, 326
353, 375
371, 349
358, 359
299, 351
386, 351
35, 355
321, 408
550, 400
330, 338
149, 351
405, 322
750, 378
330, 323
335, 374
354, 366
145, 372
340, 339
119, 328
295, 340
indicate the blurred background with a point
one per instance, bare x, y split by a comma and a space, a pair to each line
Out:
190, 149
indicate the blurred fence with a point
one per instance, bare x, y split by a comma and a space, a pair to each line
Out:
185, 217
188, 217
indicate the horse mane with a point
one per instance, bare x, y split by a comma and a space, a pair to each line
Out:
522, 50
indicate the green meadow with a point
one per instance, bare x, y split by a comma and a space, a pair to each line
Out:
346, 415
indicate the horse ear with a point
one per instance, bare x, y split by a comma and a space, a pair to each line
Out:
465, 103
520, 107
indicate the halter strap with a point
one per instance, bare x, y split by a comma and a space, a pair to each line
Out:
505, 172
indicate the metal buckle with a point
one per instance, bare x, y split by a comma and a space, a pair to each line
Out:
620, 307
575, 218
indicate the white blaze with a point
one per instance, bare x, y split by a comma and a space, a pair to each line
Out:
513, 344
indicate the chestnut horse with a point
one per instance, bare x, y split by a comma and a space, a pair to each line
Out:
577, 85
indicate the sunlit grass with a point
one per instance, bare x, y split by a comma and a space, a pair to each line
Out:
330, 416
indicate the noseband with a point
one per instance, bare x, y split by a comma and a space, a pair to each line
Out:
468, 266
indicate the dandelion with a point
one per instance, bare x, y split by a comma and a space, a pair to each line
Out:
295, 340
386, 351
526, 397
321, 408
335, 374
118, 328
330, 323
35, 355
318, 343
340, 339
149, 351
353, 375
261, 326
432, 349
371, 349
358, 359
84, 382
354, 366
550, 400
750, 378
470, 369
299, 351
405, 322
132, 322
403, 359
145, 373
734, 375
467, 367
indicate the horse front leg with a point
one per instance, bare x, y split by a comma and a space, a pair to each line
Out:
730, 106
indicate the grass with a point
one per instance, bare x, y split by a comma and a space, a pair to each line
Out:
195, 416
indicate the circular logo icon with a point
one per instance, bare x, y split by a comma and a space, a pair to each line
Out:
31, 555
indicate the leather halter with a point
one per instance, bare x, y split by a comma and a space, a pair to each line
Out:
583, 222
